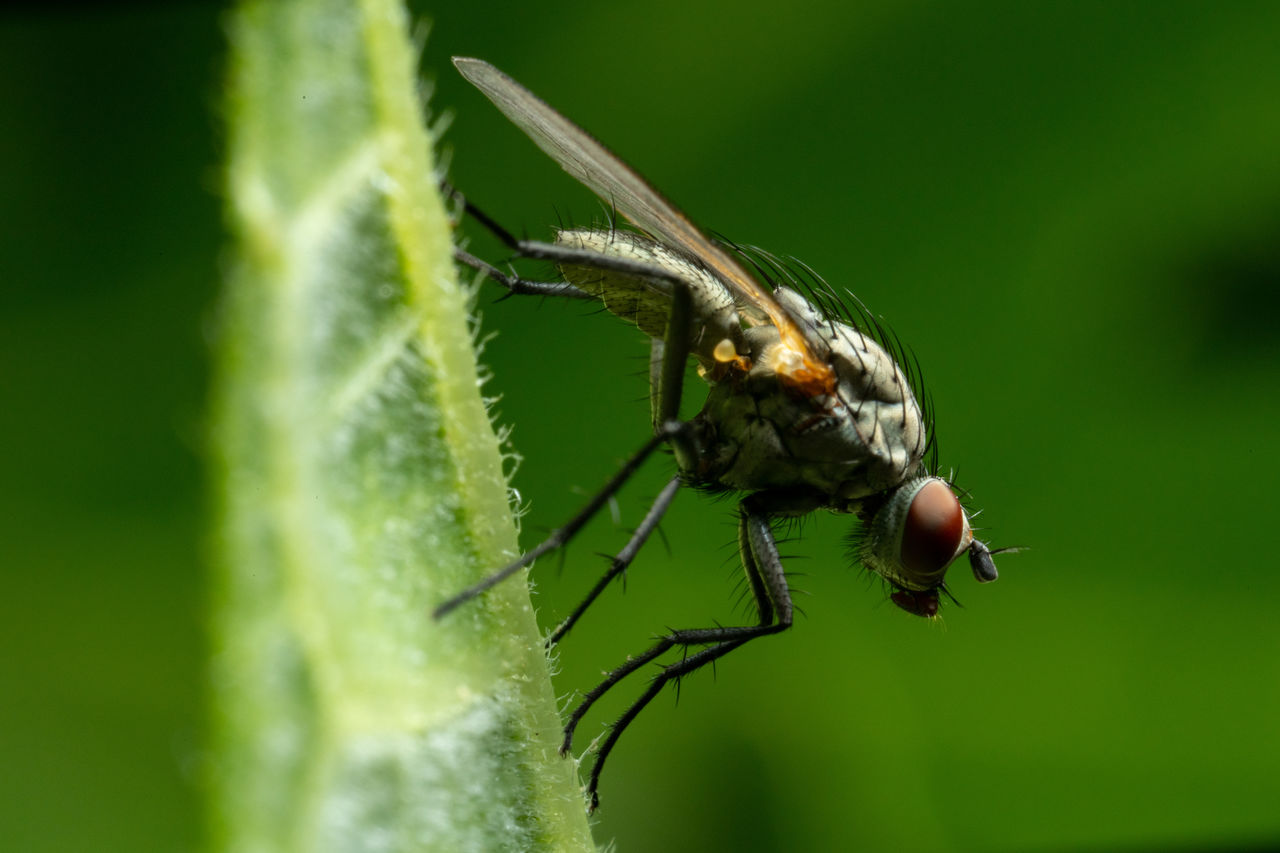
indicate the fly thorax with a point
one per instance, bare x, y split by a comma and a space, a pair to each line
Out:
869, 413
643, 296
882, 411
765, 435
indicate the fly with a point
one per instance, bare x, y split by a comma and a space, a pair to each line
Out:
805, 410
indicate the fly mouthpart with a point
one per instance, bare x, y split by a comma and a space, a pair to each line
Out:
924, 604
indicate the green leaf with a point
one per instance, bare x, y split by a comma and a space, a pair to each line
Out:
359, 480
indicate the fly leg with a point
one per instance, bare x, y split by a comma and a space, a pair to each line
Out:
666, 378
668, 430
560, 255
765, 574
622, 560
520, 286
562, 535
514, 284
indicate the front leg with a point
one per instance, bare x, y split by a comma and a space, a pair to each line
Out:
768, 583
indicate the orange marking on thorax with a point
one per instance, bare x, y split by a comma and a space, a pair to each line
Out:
796, 368
811, 380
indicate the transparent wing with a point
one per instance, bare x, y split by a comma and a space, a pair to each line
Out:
617, 183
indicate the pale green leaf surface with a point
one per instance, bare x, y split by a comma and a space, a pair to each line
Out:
360, 481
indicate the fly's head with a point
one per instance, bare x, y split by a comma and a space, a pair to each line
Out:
914, 535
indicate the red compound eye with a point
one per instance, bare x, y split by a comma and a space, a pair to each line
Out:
934, 526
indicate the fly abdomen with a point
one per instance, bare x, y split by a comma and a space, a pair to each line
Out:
645, 299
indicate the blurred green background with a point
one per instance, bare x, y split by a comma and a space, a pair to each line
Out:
1071, 212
